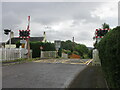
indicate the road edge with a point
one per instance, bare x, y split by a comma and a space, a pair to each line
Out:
71, 80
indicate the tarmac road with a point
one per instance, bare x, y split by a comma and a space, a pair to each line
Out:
41, 74
90, 77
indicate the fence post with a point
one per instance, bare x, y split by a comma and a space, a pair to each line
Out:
20, 53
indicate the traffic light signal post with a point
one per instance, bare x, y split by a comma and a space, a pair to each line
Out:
7, 31
100, 33
25, 35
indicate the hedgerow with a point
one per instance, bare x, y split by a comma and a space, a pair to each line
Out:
35, 46
109, 52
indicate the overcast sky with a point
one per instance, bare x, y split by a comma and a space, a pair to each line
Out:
60, 20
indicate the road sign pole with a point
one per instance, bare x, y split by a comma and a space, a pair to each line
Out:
23, 44
57, 45
57, 53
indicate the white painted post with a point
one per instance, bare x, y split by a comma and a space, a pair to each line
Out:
41, 54
10, 40
96, 59
20, 52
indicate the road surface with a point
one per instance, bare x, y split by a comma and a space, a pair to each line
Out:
51, 73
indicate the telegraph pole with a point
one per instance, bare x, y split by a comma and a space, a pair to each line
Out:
73, 43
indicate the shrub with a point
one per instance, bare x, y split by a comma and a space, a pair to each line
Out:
109, 52
35, 46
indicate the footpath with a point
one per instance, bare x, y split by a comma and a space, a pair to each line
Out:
90, 77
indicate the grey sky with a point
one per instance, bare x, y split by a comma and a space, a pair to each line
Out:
64, 19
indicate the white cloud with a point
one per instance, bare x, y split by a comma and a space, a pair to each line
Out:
106, 10
64, 20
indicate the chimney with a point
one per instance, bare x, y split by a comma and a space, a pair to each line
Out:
44, 35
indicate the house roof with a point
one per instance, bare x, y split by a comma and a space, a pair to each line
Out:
16, 39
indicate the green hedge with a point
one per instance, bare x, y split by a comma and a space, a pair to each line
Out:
109, 52
35, 46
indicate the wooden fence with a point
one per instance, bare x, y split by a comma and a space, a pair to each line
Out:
12, 54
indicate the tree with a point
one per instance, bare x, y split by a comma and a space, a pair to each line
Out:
75, 52
105, 26
82, 50
67, 45
70, 47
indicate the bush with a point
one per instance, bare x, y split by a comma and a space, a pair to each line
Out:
75, 52
66, 51
109, 52
35, 46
